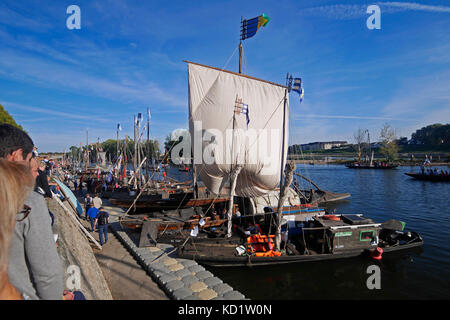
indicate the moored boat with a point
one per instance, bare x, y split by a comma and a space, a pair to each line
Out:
322, 238
356, 165
429, 177
175, 201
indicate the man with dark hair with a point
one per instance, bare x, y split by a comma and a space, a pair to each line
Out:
87, 204
16, 145
102, 221
42, 181
34, 268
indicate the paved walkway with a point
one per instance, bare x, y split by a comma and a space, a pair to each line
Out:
126, 278
153, 273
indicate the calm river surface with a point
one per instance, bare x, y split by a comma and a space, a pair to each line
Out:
420, 273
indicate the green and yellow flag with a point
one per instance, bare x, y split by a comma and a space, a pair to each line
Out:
251, 26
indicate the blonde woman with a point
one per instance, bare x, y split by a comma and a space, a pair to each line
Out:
16, 182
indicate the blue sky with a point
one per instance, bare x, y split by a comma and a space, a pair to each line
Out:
128, 55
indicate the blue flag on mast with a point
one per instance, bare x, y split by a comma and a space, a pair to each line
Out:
297, 87
249, 27
245, 111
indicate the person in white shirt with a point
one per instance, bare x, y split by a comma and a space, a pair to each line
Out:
97, 201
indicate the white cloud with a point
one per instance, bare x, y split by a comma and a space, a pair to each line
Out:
49, 111
355, 11
26, 68
352, 117
415, 6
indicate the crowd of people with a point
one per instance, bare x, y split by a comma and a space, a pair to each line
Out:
30, 267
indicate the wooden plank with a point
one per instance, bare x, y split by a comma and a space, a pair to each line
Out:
78, 222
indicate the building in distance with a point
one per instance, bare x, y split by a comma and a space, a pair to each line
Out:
318, 146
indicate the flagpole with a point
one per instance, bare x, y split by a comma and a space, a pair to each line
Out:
135, 153
240, 49
87, 150
283, 186
148, 143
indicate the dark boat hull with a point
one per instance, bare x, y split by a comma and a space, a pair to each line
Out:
427, 177
248, 261
352, 166
168, 204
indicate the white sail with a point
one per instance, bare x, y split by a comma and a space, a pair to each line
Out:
271, 199
221, 142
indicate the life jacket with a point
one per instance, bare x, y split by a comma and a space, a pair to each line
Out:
262, 246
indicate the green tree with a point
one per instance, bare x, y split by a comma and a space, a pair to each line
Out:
5, 117
360, 139
388, 146
433, 135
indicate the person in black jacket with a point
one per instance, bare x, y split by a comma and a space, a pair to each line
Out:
102, 222
42, 181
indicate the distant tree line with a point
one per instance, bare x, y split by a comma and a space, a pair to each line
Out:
149, 148
435, 135
432, 135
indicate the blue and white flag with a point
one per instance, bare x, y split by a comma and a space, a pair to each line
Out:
245, 111
149, 114
297, 87
119, 128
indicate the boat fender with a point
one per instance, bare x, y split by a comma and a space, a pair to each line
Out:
377, 253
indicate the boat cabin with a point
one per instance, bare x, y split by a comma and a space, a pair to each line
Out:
337, 233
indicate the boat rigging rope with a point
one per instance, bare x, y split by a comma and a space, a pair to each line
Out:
304, 164
312, 183
170, 252
232, 55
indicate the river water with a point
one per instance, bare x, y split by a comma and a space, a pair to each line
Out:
420, 273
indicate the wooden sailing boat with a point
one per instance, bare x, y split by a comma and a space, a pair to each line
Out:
369, 163
228, 104
217, 102
239, 133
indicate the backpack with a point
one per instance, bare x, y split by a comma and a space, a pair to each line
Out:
102, 219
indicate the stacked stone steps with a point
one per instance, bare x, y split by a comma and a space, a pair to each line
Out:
181, 279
